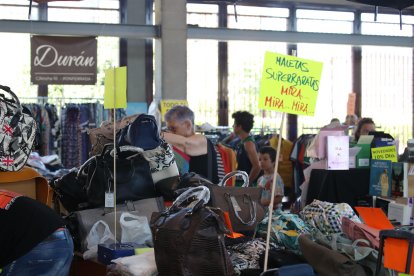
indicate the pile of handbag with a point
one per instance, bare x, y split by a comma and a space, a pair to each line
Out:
141, 159
338, 243
241, 204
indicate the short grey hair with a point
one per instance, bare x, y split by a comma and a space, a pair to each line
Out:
180, 113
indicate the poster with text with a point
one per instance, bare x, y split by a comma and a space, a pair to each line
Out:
289, 84
115, 88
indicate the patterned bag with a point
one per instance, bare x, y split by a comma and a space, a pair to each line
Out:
17, 133
285, 231
326, 216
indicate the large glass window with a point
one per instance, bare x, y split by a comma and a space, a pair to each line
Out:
245, 62
387, 78
202, 66
336, 79
87, 11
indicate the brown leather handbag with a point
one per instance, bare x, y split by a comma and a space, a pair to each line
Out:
242, 203
189, 240
104, 134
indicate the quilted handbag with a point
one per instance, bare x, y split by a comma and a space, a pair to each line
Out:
189, 237
242, 203
327, 216
17, 133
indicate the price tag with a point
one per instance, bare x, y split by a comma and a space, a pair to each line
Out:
109, 200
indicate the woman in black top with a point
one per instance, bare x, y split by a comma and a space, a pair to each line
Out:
247, 157
203, 157
32, 238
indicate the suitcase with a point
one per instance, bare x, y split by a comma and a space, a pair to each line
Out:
109, 252
396, 234
290, 270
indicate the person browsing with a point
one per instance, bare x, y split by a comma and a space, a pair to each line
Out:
247, 159
203, 157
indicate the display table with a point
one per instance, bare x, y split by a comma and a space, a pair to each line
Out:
338, 186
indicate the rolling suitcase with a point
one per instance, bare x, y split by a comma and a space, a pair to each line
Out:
396, 234
290, 270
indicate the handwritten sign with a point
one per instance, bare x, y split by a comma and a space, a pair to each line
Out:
168, 104
289, 84
115, 88
385, 153
350, 107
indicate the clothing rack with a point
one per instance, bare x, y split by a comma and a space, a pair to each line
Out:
58, 101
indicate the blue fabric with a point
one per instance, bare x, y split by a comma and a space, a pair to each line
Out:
53, 256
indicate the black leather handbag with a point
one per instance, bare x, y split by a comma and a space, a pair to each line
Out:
189, 237
133, 175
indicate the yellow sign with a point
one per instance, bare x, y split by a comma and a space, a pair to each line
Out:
168, 104
289, 84
385, 153
115, 88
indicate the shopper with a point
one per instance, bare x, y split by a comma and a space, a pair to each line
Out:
32, 238
267, 159
364, 126
351, 120
203, 157
247, 158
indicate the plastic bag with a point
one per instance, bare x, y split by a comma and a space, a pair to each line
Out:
99, 234
135, 229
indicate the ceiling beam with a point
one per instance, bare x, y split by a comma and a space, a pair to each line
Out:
223, 34
80, 29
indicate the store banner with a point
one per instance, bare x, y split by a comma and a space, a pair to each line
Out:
289, 84
63, 60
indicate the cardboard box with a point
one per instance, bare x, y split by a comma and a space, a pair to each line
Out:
364, 155
400, 213
322, 138
337, 152
353, 151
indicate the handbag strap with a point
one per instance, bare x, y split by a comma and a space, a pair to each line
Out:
236, 208
243, 174
15, 98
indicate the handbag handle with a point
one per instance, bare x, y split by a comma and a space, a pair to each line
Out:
243, 174
236, 208
202, 193
15, 98
136, 150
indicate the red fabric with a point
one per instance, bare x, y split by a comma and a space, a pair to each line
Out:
225, 159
